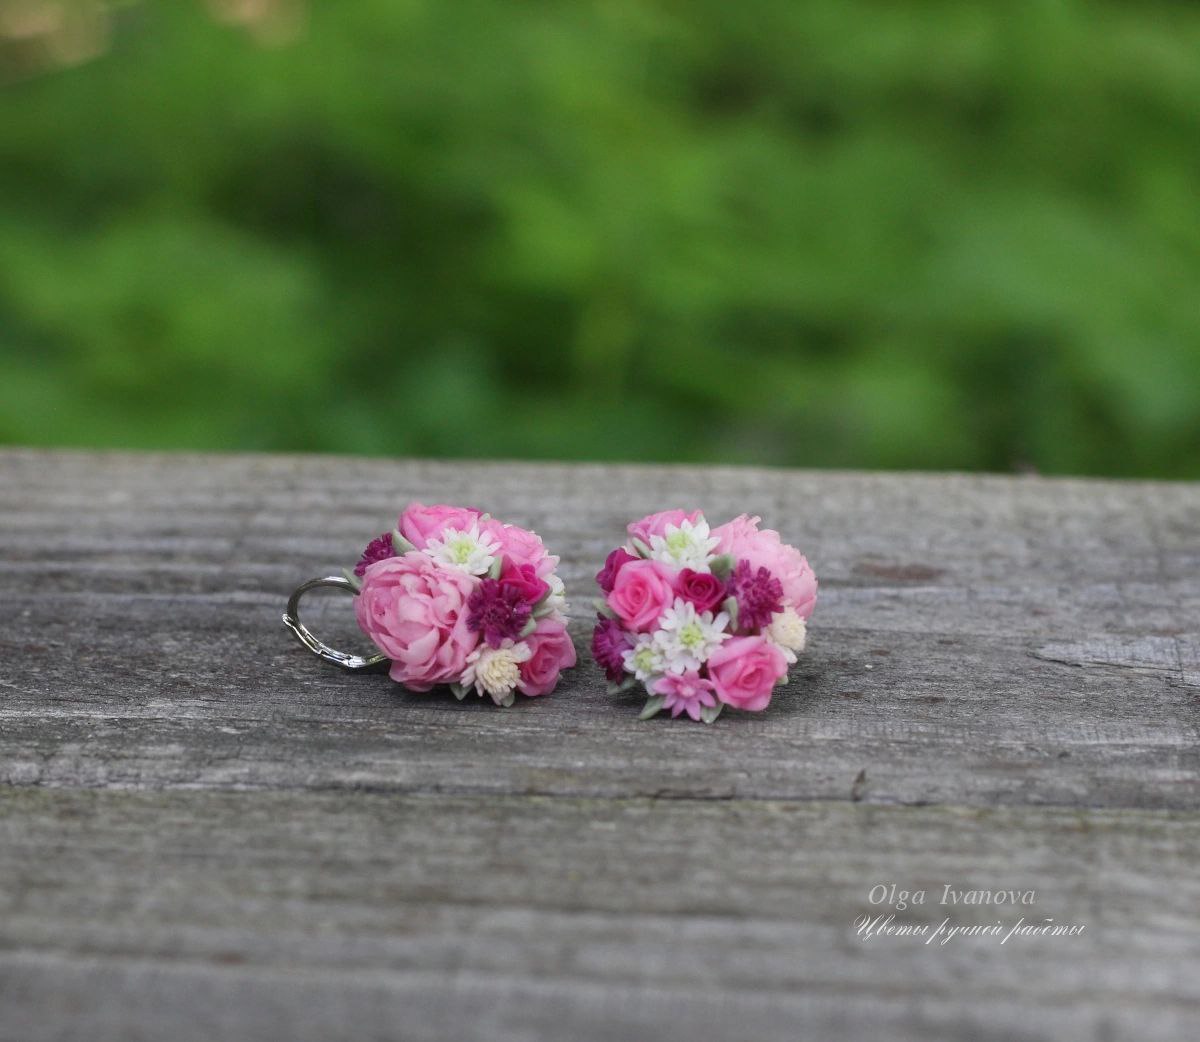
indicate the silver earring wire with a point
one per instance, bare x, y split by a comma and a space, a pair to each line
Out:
291, 619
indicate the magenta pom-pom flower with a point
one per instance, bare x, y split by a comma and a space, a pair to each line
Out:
455, 597
378, 549
498, 611
702, 618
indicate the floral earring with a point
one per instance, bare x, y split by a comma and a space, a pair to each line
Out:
453, 596
702, 619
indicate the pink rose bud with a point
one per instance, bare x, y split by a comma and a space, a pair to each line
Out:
613, 564
744, 671
656, 524
523, 579
641, 592
520, 545
703, 589
553, 652
419, 523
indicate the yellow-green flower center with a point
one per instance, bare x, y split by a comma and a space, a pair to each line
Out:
461, 549
678, 542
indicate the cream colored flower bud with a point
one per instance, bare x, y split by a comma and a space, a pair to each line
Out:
496, 671
789, 631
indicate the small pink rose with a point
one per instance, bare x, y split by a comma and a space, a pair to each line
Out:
703, 589
553, 652
419, 523
744, 671
415, 612
656, 524
742, 538
613, 564
641, 592
520, 545
523, 578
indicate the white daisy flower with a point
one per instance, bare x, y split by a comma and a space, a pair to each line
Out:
788, 632
687, 637
645, 659
685, 545
496, 671
466, 550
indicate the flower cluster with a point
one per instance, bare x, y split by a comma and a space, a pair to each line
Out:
453, 596
702, 618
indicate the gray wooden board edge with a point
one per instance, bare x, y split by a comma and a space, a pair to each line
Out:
316, 915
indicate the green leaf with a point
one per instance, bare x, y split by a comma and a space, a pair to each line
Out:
730, 607
460, 692
642, 549
623, 685
507, 700
352, 579
721, 566
709, 713
496, 568
400, 544
602, 607
528, 628
651, 708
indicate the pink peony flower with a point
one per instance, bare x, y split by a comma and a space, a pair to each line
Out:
419, 523
416, 613
738, 536
656, 524
742, 538
523, 579
685, 693
641, 592
553, 652
744, 671
519, 545
613, 564
703, 589
609, 644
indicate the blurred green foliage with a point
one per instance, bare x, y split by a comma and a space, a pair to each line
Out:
936, 234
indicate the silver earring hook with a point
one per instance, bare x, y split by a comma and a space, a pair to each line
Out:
291, 619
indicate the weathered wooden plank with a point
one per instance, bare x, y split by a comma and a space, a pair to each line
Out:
269, 915
143, 647
204, 832
921, 729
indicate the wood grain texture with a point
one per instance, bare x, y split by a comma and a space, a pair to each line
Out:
205, 832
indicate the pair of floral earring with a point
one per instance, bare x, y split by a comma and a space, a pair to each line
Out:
702, 618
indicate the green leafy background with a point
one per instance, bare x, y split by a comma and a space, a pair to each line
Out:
932, 235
